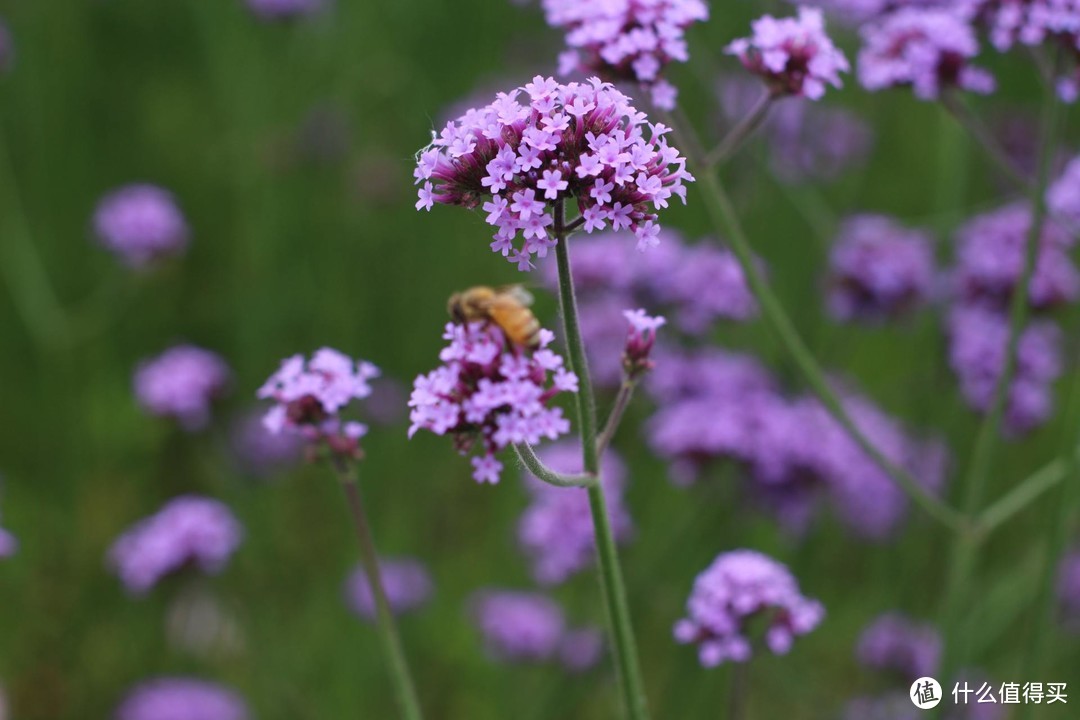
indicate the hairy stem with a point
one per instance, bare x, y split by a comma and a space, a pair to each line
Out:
741, 132
622, 401
624, 648
536, 466
400, 677
964, 556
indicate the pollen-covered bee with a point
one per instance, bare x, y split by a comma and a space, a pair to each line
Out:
506, 306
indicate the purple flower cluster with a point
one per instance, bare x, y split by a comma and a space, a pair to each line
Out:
182, 383
178, 698
579, 141
897, 643
739, 586
406, 581
1068, 588
556, 530
640, 340
189, 530
309, 396
492, 392
713, 405
1063, 198
879, 269
530, 627
928, 49
1032, 23
284, 9
141, 223
978, 340
990, 260
626, 39
793, 55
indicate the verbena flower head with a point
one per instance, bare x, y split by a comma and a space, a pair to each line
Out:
259, 452
978, 339
188, 531
182, 383
991, 257
879, 269
580, 142
7, 49
406, 581
284, 9
491, 393
740, 586
929, 50
640, 340
1063, 198
793, 55
1068, 588
141, 223
556, 530
309, 396
178, 698
896, 643
581, 648
1037, 22
9, 545
626, 39
519, 626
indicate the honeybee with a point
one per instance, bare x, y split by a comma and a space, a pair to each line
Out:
506, 306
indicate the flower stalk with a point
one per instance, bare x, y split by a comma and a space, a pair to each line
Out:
624, 648
741, 131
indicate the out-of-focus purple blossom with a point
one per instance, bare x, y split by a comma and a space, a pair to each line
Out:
387, 403
198, 623
406, 581
928, 49
629, 40
706, 284
896, 643
1063, 198
178, 698
991, 255
309, 396
580, 142
141, 223
805, 141
978, 340
879, 269
9, 544
741, 585
260, 452
519, 626
581, 649
793, 55
857, 12
1035, 22
1068, 588
556, 530
182, 383
492, 392
284, 9
189, 530
7, 49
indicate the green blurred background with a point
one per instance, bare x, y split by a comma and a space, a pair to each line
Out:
289, 147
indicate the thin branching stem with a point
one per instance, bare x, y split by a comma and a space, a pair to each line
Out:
741, 132
622, 401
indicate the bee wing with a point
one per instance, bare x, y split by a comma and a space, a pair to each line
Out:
518, 293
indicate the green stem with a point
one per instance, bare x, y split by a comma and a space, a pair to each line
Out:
624, 648
385, 624
1024, 493
964, 556
622, 401
536, 466
741, 132
724, 216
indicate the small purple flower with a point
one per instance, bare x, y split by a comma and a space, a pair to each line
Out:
519, 626
309, 396
556, 530
260, 452
631, 40
739, 586
1063, 198
177, 698
793, 55
927, 49
640, 340
896, 643
491, 392
1035, 22
7, 49
406, 581
189, 530
1068, 589
182, 383
502, 159
978, 340
879, 269
991, 254
581, 649
141, 223
284, 9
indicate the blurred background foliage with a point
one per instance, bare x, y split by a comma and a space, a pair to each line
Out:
290, 148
